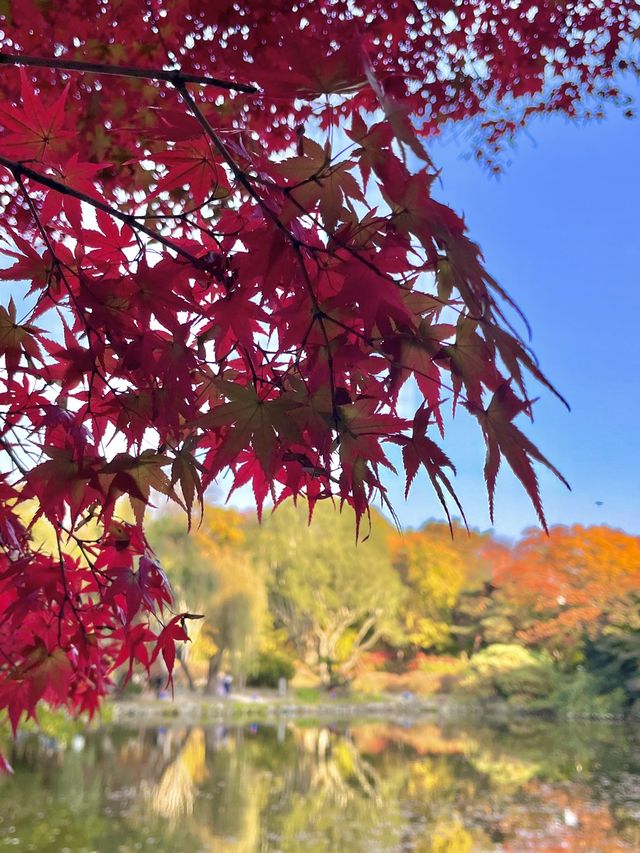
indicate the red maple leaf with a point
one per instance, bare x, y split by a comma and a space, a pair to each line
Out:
33, 131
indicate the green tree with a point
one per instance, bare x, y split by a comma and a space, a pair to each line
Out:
335, 599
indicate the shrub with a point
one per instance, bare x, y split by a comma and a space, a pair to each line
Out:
510, 672
269, 668
418, 682
497, 629
526, 684
613, 659
581, 696
378, 659
438, 664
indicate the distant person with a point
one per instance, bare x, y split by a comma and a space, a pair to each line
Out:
156, 682
158, 676
227, 681
220, 691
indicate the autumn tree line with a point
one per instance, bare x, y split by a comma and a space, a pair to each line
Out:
546, 621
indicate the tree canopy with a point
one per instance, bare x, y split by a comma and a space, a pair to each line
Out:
226, 256
549, 619
211, 573
576, 582
334, 601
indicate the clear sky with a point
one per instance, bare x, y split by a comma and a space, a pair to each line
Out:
559, 230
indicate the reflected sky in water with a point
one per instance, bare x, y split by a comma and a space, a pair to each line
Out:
363, 786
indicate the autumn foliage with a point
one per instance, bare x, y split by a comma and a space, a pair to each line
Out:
568, 583
549, 619
235, 265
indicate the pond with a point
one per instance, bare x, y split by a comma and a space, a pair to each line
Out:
357, 786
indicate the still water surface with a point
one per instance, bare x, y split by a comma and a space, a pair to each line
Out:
357, 787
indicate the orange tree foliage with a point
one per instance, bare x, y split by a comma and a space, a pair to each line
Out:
233, 262
563, 586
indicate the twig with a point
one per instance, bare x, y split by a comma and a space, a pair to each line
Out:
19, 170
12, 455
176, 76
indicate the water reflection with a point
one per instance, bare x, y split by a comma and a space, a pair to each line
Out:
369, 786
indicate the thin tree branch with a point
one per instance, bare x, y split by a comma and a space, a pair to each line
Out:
19, 170
4, 445
176, 76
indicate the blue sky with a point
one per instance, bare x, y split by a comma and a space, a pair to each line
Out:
559, 230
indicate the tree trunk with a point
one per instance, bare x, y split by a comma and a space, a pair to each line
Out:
187, 674
212, 675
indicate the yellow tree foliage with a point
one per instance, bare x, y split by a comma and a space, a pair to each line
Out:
237, 604
435, 572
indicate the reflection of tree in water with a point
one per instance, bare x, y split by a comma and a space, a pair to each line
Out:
336, 800
567, 820
425, 788
335, 769
416, 785
424, 739
230, 809
316, 788
174, 794
205, 787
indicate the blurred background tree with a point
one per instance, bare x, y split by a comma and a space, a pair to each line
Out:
550, 621
334, 600
212, 571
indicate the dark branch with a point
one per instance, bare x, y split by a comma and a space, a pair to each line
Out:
176, 77
20, 170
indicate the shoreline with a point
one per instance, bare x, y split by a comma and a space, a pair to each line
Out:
242, 707
248, 708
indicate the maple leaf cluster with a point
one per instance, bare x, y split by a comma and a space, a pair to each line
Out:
493, 63
236, 266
